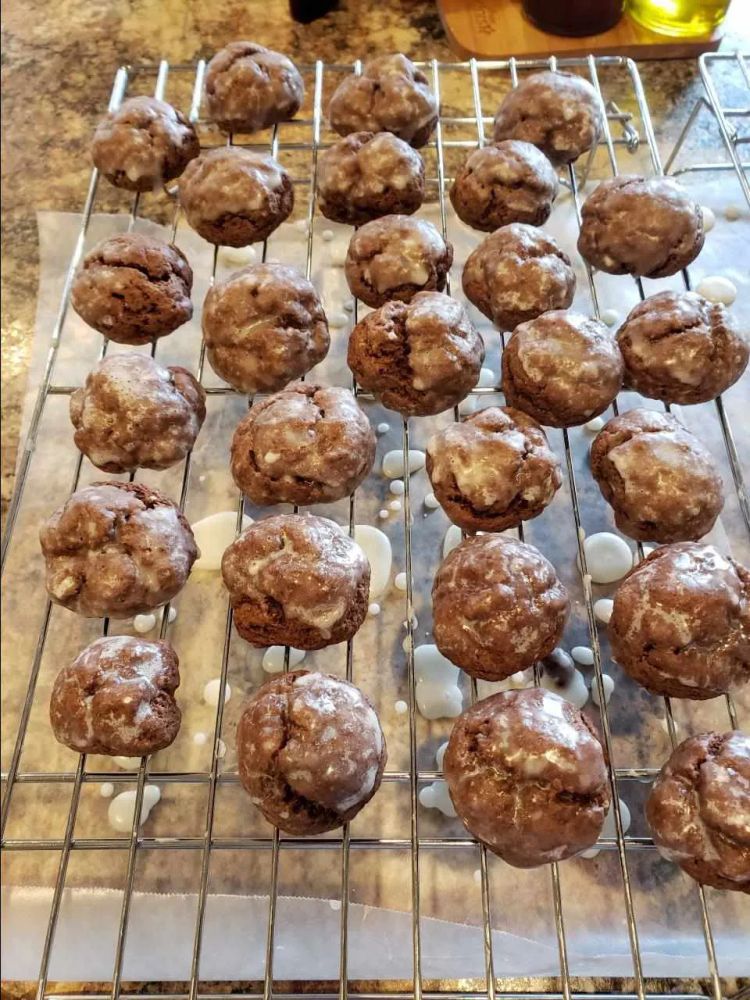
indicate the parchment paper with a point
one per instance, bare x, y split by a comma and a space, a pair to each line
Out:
306, 946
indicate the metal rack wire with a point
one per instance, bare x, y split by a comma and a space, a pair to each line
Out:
628, 137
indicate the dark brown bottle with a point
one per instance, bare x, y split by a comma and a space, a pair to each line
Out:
306, 11
573, 17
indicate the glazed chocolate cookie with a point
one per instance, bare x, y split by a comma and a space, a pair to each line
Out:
264, 327
249, 87
637, 225
366, 175
134, 413
562, 368
116, 550
559, 113
143, 144
527, 776
390, 95
681, 348
497, 606
394, 258
311, 752
234, 197
296, 580
517, 273
417, 358
117, 698
306, 444
508, 182
493, 470
661, 482
680, 623
133, 288
699, 809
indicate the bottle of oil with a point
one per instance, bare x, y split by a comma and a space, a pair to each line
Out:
681, 18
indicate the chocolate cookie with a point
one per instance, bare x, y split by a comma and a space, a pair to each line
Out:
681, 348
559, 113
234, 197
517, 273
646, 226
661, 482
497, 606
134, 413
418, 358
527, 777
311, 752
390, 95
133, 288
680, 623
367, 175
562, 368
296, 580
509, 182
143, 144
306, 444
394, 258
249, 87
699, 809
117, 698
493, 470
264, 327
116, 550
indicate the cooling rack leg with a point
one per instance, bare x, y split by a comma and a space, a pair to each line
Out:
700, 103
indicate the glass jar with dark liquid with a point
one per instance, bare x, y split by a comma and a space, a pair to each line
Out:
573, 17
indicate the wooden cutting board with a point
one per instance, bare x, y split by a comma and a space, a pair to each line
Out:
493, 29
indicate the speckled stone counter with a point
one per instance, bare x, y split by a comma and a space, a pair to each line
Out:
59, 59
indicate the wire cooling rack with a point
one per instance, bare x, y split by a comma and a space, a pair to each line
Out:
628, 128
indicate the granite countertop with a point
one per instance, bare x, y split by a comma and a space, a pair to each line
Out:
59, 59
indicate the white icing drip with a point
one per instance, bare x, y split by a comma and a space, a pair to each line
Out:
122, 808
393, 462
213, 534
377, 547
437, 691
273, 658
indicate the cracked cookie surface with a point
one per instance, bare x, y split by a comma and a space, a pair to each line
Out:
264, 327
681, 348
527, 776
116, 550
306, 444
498, 606
133, 288
510, 181
117, 698
311, 751
557, 112
680, 623
234, 196
492, 470
699, 809
134, 413
389, 95
143, 144
562, 368
516, 274
396, 257
367, 175
660, 480
249, 87
418, 358
647, 226
296, 580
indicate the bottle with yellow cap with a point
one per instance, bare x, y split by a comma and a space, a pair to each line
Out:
680, 18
